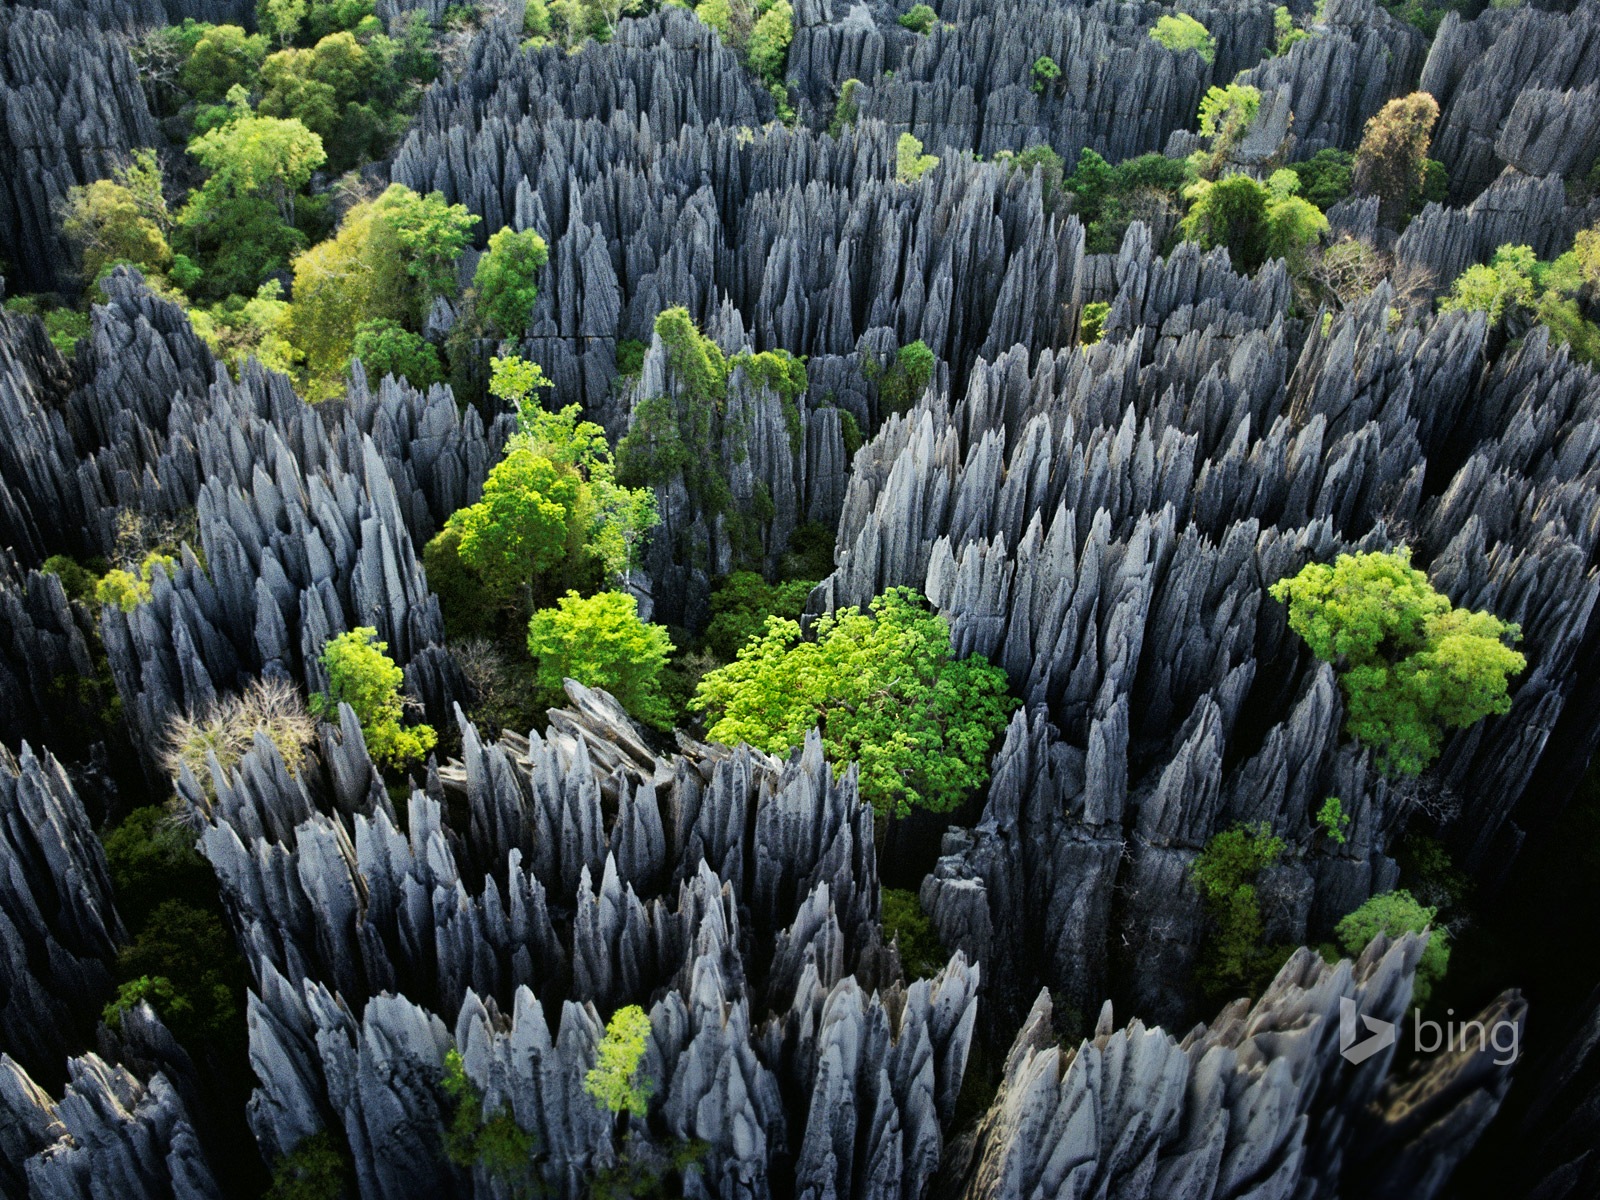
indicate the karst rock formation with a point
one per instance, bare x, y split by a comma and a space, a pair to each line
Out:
1101, 521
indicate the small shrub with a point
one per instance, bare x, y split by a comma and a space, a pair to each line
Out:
630, 356
1333, 819
316, 1169
76, 581
1045, 72
1094, 322
845, 109
920, 19
363, 676
850, 432
911, 164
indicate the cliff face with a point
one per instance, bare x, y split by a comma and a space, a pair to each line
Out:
71, 107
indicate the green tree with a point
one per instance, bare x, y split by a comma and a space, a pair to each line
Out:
224, 57
1396, 913
1327, 177
1226, 114
845, 108
1256, 222
362, 675
911, 164
506, 280
495, 1144
768, 50
518, 382
615, 1081
281, 19
885, 691
1333, 819
256, 327
741, 605
905, 923
1497, 288
385, 348
907, 377
240, 221
354, 277
1179, 32
1411, 666
1094, 322
920, 18
601, 642
610, 521
1044, 72
183, 961
339, 89
151, 858
519, 530
123, 219
387, 260
259, 156
1391, 162
431, 234
1226, 872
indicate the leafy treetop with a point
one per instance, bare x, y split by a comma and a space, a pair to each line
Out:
601, 642
614, 1081
884, 691
1396, 913
1179, 32
1411, 666
363, 676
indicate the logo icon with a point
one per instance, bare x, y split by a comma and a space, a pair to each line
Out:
1382, 1033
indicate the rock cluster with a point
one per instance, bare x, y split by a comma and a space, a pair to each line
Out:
71, 107
732, 894
1512, 87
1104, 525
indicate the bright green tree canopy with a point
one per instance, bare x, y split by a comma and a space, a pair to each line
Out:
1396, 913
614, 1080
601, 642
1179, 32
1411, 666
506, 280
885, 692
362, 675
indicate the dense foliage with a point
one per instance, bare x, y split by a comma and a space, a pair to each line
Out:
363, 676
1411, 665
1179, 32
1226, 872
1515, 289
615, 1081
885, 693
601, 642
